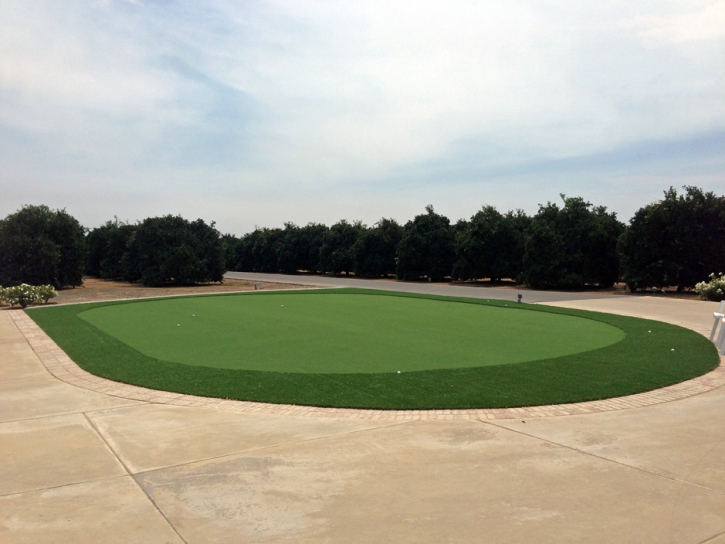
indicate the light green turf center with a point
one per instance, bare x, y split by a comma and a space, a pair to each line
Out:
327, 333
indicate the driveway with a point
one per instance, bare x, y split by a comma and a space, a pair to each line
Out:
444, 289
78, 464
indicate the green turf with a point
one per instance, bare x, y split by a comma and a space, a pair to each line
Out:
643, 360
329, 333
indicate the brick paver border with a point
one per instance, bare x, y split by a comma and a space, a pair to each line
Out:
63, 368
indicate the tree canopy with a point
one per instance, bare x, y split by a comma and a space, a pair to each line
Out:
426, 248
41, 246
679, 240
491, 245
172, 250
572, 246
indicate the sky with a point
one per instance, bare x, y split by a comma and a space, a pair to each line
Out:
266, 112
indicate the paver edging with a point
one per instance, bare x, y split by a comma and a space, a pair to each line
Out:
62, 367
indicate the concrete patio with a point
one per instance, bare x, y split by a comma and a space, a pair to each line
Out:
81, 465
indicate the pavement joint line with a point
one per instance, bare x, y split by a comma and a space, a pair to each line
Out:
53, 357
131, 475
711, 538
60, 486
57, 414
270, 446
606, 459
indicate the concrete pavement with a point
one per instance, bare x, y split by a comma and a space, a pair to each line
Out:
445, 289
83, 466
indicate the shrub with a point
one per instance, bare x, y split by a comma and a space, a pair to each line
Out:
713, 289
46, 292
24, 294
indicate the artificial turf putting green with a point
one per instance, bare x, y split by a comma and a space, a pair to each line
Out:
591, 355
329, 333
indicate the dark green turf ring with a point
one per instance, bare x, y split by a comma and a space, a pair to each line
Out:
651, 355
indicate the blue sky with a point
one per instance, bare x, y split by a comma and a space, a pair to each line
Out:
258, 113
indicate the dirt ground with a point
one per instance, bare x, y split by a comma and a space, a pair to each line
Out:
95, 290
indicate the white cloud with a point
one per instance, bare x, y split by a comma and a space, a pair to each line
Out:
704, 24
283, 101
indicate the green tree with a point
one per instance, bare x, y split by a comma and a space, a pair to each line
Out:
310, 241
229, 250
299, 248
374, 252
572, 246
244, 252
41, 246
266, 249
336, 254
426, 248
96, 248
491, 245
107, 247
172, 250
676, 241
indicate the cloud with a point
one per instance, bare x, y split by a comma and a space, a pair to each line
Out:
704, 24
362, 106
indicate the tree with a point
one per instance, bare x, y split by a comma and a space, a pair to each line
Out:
229, 250
41, 246
299, 248
106, 247
676, 241
572, 246
336, 251
491, 245
373, 254
96, 247
266, 248
244, 252
172, 250
309, 243
426, 248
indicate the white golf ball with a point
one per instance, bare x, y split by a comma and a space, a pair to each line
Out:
398, 371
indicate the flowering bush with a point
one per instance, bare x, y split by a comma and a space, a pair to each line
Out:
25, 294
46, 292
713, 289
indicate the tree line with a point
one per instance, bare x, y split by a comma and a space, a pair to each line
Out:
677, 241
